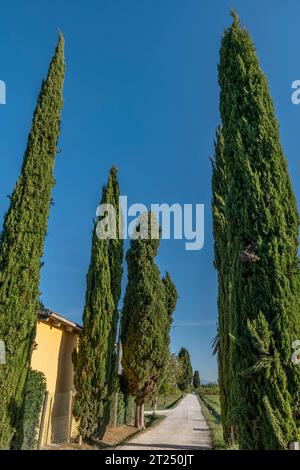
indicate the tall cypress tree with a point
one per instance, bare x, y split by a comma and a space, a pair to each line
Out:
115, 258
21, 246
145, 320
185, 375
95, 361
221, 263
196, 379
262, 230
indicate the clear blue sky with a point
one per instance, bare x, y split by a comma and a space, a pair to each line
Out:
141, 92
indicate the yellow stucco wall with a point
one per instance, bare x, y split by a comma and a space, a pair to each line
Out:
53, 356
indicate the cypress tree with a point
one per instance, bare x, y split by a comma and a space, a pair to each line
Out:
145, 320
115, 258
95, 361
185, 370
21, 247
196, 379
221, 263
262, 232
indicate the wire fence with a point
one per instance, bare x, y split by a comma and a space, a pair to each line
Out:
57, 425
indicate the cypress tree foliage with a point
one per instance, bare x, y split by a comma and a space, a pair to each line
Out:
262, 232
115, 258
21, 247
171, 295
185, 376
221, 263
168, 385
145, 319
95, 366
196, 379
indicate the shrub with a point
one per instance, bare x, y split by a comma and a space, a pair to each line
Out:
35, 390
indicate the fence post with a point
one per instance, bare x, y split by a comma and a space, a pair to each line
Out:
70, 413
49, 419
42, 422
115, 418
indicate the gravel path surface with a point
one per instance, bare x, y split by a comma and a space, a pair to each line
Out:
183, 428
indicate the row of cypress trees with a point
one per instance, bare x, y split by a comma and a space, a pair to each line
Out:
256, 254
149, 304
145, 326
95, 361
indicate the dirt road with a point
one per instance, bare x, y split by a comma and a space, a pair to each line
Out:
183, 428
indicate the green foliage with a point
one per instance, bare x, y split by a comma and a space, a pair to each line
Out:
121, 410
123, 405
185, 374
258, 245
168, 384
115, 258
171, 295
222, 264
145, 319
196, 379
209, 389
95, 361
21, 248
211, 409
35, 390
129, 408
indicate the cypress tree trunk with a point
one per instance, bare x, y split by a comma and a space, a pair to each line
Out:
137, 416
262, 230
221, 263
142, 418
22, 243
95, 364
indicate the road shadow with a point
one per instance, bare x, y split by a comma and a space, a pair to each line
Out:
166, 446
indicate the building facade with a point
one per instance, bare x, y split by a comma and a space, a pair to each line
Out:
56, 339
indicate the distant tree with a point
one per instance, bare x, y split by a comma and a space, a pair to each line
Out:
145, 320
168, 380
168, 384
185, 370
21, 248
196, 379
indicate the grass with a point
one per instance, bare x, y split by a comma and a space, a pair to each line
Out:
211, 408
164, 402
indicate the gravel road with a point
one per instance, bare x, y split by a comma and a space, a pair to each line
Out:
183, 428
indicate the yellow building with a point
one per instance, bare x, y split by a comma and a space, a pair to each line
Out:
56, 338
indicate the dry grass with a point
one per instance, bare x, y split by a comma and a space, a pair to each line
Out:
112, 438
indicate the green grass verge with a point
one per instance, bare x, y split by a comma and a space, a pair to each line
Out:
164, 402
211, 410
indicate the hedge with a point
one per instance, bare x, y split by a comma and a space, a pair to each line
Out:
35, 390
